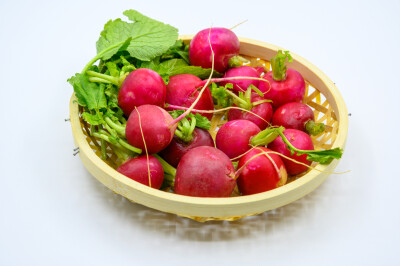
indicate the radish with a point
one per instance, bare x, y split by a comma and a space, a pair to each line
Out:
268, 135
233, 138
177, 148
183, 89
298, 139
153, 124
297, 116
139, 169
224, 43
285, 84
205, 172
241, 84
260, 174
142, 86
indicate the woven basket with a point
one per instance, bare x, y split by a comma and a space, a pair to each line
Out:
321, 95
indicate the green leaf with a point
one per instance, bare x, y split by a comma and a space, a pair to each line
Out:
89, 94
178, 50
201, 121
93, 119
220, 96
324, 156
144, 39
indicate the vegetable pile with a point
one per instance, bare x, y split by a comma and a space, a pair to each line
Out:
150, 97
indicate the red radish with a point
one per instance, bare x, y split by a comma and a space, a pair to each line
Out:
299, 140
263, 110
183, 89
155, 124
260, 174
233, 138
241, 84
177, 148
205, 172
285, 84
138, 169
142, 86
225, 45
297, 116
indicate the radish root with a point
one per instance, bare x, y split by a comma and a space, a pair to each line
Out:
145, 147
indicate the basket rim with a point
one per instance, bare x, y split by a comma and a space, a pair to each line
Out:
341, 114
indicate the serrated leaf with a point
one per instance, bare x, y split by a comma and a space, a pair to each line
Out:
89, 94
93, 119
201, 121
148, 38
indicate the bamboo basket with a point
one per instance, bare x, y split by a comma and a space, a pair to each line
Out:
321, 95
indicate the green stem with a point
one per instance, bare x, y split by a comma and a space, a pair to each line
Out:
192, 127
99, 80
168, 169
169, 180
278, 65
261, 102
108, 78
239, 101
121, 154
236, 61
179, 133
107, 138
118, 142
111, 131
99, 56
103, 149
120, 129
266, 136
129, 147
314, 128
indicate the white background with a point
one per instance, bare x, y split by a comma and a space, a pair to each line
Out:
53, 212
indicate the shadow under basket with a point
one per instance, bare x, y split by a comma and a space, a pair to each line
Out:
321, 95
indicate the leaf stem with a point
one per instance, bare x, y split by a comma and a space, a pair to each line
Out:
119, 129
99, 55
110, 79
168, 169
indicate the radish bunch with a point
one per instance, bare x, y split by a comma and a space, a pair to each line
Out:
153, 106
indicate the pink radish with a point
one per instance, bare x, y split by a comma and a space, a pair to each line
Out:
233, 138
141, 86
154, 122
225, 45
205, 172
285, 84
183, 89
138, 169
241, 84
261, 173
177, 148
299, 140
297, 116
